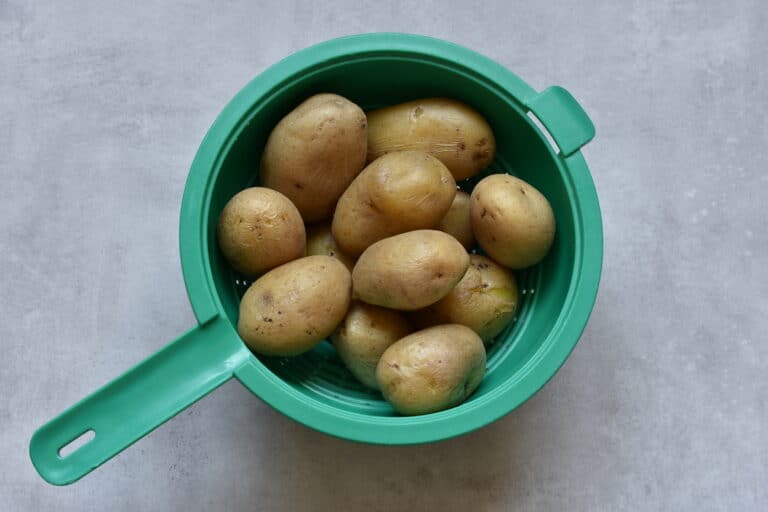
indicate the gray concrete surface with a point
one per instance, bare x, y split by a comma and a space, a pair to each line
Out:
664, 403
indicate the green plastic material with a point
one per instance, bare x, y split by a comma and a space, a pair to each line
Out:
315, 389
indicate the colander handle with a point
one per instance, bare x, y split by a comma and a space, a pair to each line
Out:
563, 117
137, 402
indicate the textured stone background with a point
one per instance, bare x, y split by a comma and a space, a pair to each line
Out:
662, 406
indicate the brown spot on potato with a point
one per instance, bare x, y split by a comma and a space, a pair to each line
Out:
462, 147
298, 186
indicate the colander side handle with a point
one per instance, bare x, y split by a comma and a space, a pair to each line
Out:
137, 402
563, 117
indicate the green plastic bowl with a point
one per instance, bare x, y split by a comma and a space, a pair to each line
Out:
315, 389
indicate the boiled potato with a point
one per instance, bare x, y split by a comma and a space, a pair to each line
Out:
409, 271
447, 129
320, 241
260, 229
456, 221
512, 221
398, 192
432, 369
293, 307
366, 332
315, 152
485, 300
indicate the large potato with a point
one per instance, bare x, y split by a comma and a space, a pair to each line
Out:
485, 300
432, 369
320, 242
260, 229
398, 192
456, 221
366, 332
292, 308
315, 152
512, 221
447, 129
409, 271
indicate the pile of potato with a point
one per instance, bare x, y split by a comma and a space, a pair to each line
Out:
360, 234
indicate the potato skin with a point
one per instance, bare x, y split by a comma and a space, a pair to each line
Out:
432, 369
295, 306
366, 332
512, 221
315, 152
485, 300
398, 192
260, 229
447, 129
409, 271
320, 242
456, 222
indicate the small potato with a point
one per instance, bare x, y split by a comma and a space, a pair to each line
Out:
512, 221
431, 370
320, 242
315, 152
260, 229
409, 271
294, 307
399, 192
447, 129
485, 300
366, 332
456, 221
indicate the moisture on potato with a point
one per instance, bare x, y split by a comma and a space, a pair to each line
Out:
315, 152
398, 192
456, 221
260, 229
512, 221
447, 129
366, 332
293, 307
485, 300
432, 369
320, 241
409, 271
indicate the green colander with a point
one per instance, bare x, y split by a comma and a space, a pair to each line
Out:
315, 389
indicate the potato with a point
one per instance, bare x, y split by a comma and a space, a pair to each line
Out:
409, 271
399, 192
447, 129
456, 221
512, 221
432, 369
320, 241
366, 332
315, 152
485, 300
260, 229
293, 307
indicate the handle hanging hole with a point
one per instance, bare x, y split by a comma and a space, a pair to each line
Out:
77, 443
544, 131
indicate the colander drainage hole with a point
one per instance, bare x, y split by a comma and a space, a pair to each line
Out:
77, 443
